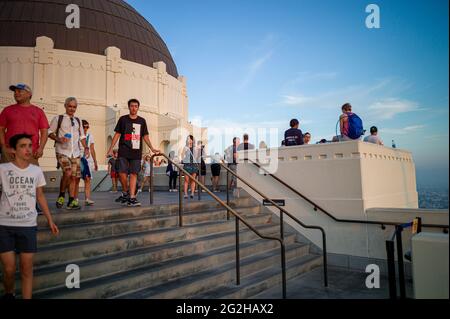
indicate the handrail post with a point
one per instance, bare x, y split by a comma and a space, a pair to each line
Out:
325, 259
238, 266
283, 268
401, 266
228, 194
180, 200
390, 248
199, 189
151, 181
281, 225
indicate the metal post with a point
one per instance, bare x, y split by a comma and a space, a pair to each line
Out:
151, 182
283, 268
199, 189
281, 225
180, 201
390, 248
325, 260
401, 266
228, 194
238, 266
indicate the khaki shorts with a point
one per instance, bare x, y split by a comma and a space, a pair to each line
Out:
67, 163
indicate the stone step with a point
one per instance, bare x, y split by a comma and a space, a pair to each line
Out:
81, 250
71, 233
188, 286
160, 272
252, 285
67, 217
55, 275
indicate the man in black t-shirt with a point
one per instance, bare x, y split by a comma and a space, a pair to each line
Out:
293, 136
131, 129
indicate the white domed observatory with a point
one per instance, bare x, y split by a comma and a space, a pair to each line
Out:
115, 55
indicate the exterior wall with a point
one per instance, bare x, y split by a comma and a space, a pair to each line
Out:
347, 179
102, 85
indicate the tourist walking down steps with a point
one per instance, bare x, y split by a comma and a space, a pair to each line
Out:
131, 130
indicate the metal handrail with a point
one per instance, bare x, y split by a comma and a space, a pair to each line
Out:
317, 207
229, 209
101, 182
283, 211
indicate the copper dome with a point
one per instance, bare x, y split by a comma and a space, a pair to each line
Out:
103, 23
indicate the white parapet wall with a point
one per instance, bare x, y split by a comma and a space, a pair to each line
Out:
350, 180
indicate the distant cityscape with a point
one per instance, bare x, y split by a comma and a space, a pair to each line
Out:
433, 197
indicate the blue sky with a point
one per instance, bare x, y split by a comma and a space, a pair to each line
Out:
252, 63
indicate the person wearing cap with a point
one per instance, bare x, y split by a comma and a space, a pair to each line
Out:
373, 137
23, 118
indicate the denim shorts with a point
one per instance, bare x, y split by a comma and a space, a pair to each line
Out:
18, 239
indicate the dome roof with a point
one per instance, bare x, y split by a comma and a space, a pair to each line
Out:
103, 23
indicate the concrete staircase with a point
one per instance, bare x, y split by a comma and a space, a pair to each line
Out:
142, 253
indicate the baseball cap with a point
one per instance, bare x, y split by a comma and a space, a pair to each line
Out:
21, 86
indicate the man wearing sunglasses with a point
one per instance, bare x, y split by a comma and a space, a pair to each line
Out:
66, 130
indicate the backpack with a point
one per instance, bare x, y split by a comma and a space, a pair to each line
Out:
355, 126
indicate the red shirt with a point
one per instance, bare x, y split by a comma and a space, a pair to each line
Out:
23, 119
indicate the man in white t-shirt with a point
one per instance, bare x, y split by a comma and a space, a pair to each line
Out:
373, 137
22, 184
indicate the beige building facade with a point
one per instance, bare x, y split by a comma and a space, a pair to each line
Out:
102, 86
114, 55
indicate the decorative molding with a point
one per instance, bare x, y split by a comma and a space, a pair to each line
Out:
43, 52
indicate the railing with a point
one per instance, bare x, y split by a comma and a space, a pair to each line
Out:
390, 252
229, 209
317, 207
282, 212
100, 183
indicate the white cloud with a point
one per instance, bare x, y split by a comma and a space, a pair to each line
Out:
388, 108
254, 67
405, 130
261, 53
296, 100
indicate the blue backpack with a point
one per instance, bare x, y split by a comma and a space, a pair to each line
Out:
355, 126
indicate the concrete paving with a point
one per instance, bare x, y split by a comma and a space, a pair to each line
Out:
342, 284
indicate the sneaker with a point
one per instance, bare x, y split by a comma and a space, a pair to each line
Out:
139, 191
185, 196
175, 190
133, 202
121, 198
60, 202
192, 196
89, 202
170, 190
74, 205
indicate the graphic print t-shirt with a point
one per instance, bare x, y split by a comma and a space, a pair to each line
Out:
18, 200
131, 133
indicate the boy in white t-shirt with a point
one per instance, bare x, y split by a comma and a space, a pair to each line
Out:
22, 184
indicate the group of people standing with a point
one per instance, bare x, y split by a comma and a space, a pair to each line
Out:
350, 128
